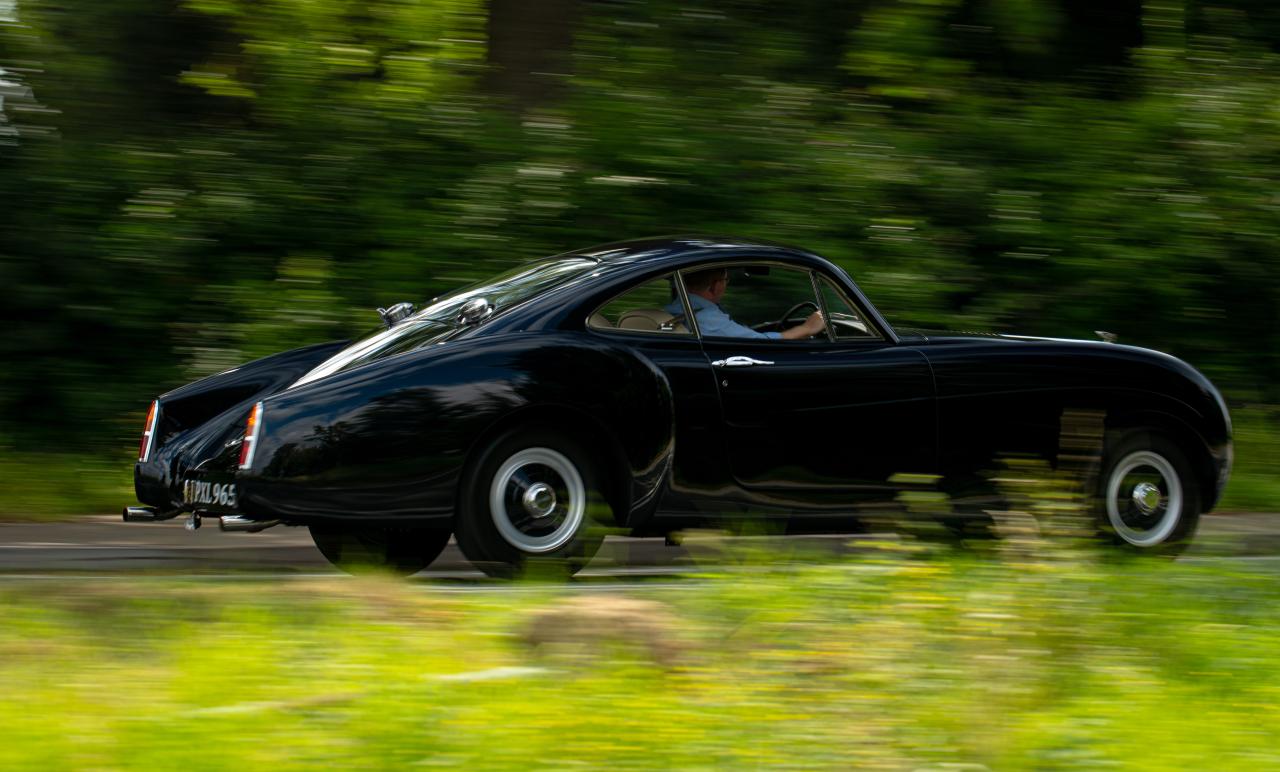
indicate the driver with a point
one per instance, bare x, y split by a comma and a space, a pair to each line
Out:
707, 287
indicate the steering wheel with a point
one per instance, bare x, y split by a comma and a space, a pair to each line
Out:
795, 309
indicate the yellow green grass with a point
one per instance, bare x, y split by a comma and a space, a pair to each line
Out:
1009, 660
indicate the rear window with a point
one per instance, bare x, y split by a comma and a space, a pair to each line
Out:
437, 321
509, 288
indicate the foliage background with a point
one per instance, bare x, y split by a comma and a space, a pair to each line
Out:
187, 184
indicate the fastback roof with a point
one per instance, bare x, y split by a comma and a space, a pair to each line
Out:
643, 250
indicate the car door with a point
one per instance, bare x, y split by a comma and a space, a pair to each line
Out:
651, 319
822, 423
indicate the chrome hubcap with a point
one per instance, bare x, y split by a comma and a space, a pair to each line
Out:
1146, 497
538, 500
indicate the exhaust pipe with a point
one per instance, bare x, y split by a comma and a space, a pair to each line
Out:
244, 524
147, 515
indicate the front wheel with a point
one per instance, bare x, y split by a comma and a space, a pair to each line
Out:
1150, 499
359, 549
530, 498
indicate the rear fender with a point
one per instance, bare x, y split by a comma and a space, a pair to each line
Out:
197, 421
388, 441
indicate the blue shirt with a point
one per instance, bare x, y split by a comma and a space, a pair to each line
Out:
713, 322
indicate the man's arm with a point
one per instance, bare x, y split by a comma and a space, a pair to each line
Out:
716, 323
806, 329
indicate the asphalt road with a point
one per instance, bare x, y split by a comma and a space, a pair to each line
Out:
106, 546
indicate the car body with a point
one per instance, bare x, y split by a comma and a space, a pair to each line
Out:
392, 439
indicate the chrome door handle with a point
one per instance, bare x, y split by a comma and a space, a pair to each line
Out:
739, 362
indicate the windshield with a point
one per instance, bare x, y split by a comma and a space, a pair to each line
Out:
438, 320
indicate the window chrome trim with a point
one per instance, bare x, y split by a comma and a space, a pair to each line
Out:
689, 316
874, 333
822, 305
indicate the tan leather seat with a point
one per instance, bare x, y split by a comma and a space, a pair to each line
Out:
649, 319
599, 320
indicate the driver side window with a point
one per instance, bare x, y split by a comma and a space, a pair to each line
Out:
760, 295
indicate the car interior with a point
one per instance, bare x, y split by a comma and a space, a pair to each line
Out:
643, 309
756, 296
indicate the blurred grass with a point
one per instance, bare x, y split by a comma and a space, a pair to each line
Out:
883, 661
52, 486
59, 486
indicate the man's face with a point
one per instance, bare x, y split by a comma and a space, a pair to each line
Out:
718, 288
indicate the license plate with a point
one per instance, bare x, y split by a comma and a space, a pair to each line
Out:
209, 493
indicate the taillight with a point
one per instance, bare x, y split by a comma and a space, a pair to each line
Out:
149, 432
251, 431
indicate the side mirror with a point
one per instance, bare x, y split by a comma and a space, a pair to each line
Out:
393, 315
474, 310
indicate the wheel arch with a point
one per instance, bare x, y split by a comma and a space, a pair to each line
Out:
1177, 430
580, 425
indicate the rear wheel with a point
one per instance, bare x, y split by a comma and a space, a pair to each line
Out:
370, 549
1150, 499
531, 500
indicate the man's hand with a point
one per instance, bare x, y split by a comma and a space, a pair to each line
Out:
806, 329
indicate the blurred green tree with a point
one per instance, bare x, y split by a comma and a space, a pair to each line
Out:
189, 184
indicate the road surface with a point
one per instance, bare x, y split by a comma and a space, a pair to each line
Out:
105, 545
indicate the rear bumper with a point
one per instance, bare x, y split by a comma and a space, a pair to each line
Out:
166, 497
225, 522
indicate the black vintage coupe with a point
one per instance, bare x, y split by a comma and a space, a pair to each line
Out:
599, 390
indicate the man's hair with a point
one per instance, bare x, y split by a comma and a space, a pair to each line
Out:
701, 280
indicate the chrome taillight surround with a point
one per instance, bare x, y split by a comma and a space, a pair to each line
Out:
149, 432
252, 429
